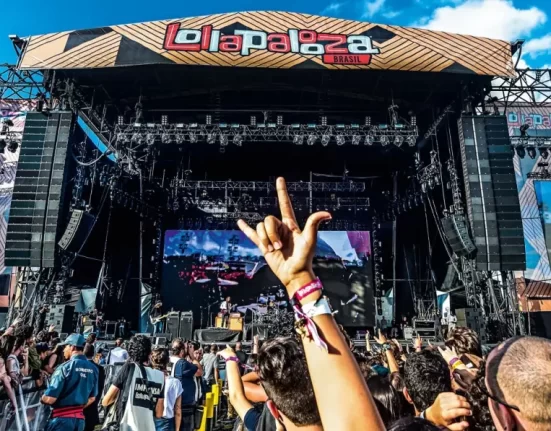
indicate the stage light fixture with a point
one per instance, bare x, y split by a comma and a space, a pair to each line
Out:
356, 139
521, 152
137, 137
311, 139
398, 140
180, 138
280, 120
325, 138
253, 120
411, 140
13, 146
340, 140
209, 120
369, 139
298, 139
164, 120
384, 140
238, 140
211, 138
413, 121
368, 121
544, 153
223, 139
150, 139
323, 120
120, 120
165, 138
531, 152
193, 138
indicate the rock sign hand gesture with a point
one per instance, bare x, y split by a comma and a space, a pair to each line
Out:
288, 250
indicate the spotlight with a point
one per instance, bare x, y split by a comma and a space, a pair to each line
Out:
324, 120
165, 138
413, 121
368, 121
523, 130
356, 139
238, 140
298, 139
211, 138
398, 140
544, 153
325, 140
340, 140
223, 139
180, 138
164, 120
369, 139
120, 120
150, 138
384, 140
193, 138
531, 152
311, 139
280, 120
521, 152
13, 146
253, 120
209, 120
411, 140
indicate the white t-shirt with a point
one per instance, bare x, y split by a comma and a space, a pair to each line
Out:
173, 389
117, 355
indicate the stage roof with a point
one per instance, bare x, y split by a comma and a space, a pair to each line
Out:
278, 40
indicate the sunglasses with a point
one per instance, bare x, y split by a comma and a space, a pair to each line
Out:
497, 400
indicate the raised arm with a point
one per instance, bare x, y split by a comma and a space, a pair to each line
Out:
343, 399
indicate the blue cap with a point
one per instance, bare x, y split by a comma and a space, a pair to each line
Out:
76, 340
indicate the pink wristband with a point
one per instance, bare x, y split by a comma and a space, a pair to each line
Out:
308, 289
232, 359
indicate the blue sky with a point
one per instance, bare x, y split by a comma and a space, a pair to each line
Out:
503, 19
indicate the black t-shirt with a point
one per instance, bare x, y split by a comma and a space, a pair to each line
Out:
122, 377
259, 418
242, 356
91, 413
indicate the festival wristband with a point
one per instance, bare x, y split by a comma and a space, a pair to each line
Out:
457, 364
308, 289
313, 309
453, 361
387, 347
232, 359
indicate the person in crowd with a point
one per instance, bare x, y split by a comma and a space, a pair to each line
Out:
242, 356
118, 354
141, 390
172, 413
5, 379
91, 413
518, 383
289, 252
283, 372
43, 351
155, 317
186, 368
386, 398
91, 339
464, 341
16, 347
210, 366
72, 388
54, 359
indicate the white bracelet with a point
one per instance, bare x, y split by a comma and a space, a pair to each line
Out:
313, 309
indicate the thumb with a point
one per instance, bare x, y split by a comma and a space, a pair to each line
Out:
312, 224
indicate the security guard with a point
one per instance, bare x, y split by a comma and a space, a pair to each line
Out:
73, 386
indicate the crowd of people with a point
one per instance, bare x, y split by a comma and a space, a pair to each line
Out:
315, 380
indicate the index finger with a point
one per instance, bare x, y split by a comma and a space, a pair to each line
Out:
285, 205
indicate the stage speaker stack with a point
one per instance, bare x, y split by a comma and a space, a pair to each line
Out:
61, 316
491, 193
33, 227
457, 233
173, 325
186, 325
473, 319
76, 231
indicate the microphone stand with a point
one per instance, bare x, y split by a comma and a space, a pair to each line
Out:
209, 315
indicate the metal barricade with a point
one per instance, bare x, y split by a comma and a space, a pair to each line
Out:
29, 414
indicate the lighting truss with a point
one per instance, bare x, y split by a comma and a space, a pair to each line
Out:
18, 85
258, 186
238, 133
529, 87
531, 141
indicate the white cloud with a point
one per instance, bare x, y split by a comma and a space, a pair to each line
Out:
332, 8
498, 19
392, 14
539, 46
373, 7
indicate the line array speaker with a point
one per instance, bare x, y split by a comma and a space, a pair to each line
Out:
457, 232
77, 230
491, 190
33, 227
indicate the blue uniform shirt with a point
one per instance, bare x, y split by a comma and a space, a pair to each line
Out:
73, 382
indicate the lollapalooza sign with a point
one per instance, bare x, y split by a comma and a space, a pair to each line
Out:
332, 48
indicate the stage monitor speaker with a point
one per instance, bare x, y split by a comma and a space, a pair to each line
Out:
186, 325
77, 230
42, 171
161, 340
457, 233
173, 325
61, 317
491, 193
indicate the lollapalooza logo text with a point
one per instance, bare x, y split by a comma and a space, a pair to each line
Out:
333, 48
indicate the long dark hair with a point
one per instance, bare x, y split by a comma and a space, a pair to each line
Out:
386, 398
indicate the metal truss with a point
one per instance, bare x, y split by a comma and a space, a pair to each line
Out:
299, 134
17, 85
258, 186
529, 87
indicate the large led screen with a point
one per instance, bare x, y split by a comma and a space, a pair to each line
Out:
201, 267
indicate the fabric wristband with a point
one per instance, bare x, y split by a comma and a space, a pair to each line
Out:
232, 359
308, 289
313, 309
453, 361
457, 364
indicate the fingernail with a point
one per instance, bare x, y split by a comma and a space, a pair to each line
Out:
270, 248
277, 245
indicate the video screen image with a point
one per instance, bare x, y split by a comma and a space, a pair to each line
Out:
202, 267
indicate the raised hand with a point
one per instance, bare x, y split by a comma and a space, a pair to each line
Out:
228, 352
447, 353
447, 408
418, 343
381, 339
288, 250
397, 344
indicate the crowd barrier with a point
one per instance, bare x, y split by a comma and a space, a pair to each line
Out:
29, 414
